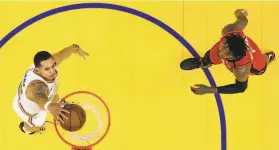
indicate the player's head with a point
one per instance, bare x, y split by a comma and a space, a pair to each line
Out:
232, 47
45, 65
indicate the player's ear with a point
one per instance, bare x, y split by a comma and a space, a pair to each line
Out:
36, 70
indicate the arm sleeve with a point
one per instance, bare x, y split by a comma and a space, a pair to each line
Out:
237, 87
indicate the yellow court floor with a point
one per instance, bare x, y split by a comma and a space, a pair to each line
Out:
134, 66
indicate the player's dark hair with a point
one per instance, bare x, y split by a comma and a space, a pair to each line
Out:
41, 56
236, 45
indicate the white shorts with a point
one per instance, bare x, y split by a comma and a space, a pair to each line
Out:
37, 119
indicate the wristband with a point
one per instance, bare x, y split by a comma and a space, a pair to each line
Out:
46, 105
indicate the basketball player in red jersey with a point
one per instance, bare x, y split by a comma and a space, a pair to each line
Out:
237, 52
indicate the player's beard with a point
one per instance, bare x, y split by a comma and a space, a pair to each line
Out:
52, 77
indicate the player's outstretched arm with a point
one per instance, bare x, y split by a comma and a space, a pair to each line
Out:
240, 23
68, 51
240, 85
37, 91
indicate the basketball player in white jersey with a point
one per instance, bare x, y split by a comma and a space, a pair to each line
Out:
37, 92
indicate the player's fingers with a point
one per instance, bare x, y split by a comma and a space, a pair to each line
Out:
193, 90
61, 114
64, 110
196, 91
55, 116
197, 85
87, 54
59, 119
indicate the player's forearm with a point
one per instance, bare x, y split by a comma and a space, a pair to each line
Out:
65, 53
238, 87
56, 99
42, 102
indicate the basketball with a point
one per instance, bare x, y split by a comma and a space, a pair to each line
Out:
76, 118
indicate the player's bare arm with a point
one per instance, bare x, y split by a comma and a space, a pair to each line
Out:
242, 74
37, 91
56, 98
240, 23
67, 52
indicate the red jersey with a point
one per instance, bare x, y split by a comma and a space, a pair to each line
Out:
253, 55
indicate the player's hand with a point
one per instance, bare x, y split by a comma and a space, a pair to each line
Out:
81, 52
201, 89
241, 12
57, 110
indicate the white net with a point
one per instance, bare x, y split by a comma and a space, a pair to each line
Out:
89, 138
96, 124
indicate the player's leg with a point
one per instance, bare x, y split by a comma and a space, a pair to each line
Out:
193, 63
36, 122
25, 128
210, 57
31, 123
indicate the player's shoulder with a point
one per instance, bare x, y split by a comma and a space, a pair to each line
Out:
37, 84
35, 87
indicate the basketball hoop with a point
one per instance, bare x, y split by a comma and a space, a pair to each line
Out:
85, 141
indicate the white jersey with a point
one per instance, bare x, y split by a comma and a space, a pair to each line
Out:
28, 105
